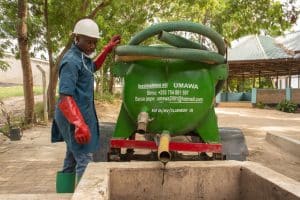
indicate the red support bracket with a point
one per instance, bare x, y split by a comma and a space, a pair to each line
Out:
173, 146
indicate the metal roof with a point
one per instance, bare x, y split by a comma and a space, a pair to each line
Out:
256, 47
260, 55
290, 42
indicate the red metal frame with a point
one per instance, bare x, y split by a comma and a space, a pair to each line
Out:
173, 146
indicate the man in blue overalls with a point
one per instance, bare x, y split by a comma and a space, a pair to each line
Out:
75, 119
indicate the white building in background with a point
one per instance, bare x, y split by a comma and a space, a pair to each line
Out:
283, 81
291, 44
14, 74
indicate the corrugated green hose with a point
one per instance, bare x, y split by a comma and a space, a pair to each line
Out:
215, 37
177, 41
171, 52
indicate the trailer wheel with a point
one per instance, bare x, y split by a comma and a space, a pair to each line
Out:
233, 144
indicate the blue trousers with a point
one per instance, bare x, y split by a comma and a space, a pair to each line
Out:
76, 162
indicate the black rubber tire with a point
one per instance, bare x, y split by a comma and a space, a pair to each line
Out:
234, 145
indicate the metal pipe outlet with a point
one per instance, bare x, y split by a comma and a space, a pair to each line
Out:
163, 153
143, 119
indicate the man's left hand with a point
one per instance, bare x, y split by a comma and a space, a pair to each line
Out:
114, 41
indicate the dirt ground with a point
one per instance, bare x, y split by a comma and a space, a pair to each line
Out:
255, 123
30, 165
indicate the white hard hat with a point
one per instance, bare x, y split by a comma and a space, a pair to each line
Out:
87, 27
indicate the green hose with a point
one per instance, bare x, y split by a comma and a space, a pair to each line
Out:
171, 52
215, 37
178, 41
181, 53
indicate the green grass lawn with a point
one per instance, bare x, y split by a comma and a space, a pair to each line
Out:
15, 91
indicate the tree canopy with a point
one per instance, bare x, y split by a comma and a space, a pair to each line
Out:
231, 18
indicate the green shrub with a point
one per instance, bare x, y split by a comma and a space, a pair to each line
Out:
260, 105
287, 106
5, 129
14, 122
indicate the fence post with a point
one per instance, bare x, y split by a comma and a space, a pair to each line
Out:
44, 93
253, 95
288, 93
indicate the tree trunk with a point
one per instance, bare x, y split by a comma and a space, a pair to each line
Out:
51, 91
53, 72
98, 82
102, 74
53, 79
25, 61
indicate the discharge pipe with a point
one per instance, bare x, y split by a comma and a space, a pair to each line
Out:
143, 119
163, 153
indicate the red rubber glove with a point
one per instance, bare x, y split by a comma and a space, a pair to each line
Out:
115, 40
71, 111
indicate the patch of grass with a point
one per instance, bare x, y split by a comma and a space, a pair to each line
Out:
14, 91
13, 121
39, 111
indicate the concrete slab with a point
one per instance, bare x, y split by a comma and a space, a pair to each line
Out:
184, 180
259, 182
35, 196
287, 144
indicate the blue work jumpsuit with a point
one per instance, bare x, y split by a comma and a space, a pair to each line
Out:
76, 79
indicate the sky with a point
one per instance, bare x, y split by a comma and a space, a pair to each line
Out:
296, 27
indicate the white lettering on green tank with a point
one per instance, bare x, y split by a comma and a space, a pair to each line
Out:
186, 85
